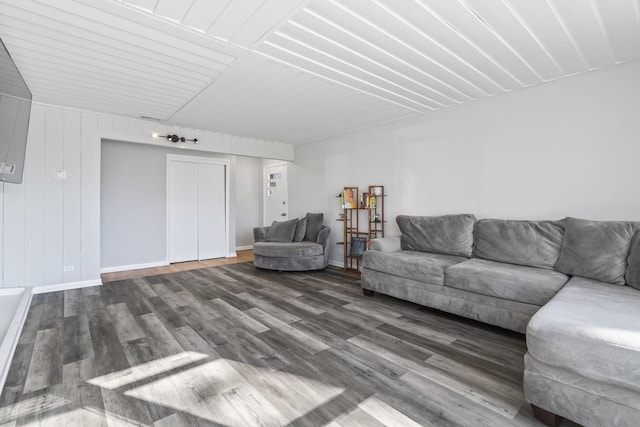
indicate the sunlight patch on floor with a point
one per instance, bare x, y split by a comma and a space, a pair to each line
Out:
136, 373
218, 392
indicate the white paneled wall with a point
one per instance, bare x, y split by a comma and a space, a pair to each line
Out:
47, 224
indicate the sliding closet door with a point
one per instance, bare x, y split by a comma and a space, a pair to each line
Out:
211, 211
197, 211
183, 211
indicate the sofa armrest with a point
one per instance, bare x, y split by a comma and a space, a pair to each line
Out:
260, 234
385, 244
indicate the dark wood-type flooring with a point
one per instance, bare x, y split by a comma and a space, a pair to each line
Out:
236, 346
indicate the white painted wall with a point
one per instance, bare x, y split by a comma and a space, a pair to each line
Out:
48, 224
134, 201
248, 199
566, 148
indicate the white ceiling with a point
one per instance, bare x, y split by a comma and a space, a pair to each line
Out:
296, 71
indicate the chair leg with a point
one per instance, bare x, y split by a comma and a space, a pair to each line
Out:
545, 417
368, 292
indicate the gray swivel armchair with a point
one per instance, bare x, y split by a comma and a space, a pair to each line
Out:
294, 245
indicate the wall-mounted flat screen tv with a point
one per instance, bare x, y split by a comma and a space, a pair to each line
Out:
15, 108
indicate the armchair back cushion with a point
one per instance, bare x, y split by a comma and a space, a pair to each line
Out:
596, 249
301, 230
448, 234
282, 231
632, 275
529, 243
314, 225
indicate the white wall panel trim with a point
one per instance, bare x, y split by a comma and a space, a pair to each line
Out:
67, 286
134, 267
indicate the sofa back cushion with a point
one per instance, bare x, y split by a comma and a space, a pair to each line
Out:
448, 234
282, 231
632, 275
596, 249
530, 243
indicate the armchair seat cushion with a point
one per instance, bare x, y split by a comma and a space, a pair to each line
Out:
592, 329
530, 285
287, 250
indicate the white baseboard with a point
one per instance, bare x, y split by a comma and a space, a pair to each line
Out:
244, 248
133, 267
66, 286
336, 263
232, 255
11, 336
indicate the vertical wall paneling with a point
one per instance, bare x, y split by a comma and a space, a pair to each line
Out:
14, 235
2, 234
90, 198
47, 224
34, 188
53, 197
72, 194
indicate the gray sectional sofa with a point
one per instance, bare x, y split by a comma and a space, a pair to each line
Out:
293, 245
573, 286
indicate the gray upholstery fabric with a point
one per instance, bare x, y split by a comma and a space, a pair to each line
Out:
260, 234
632, 275
596, 249
448, 234
282, 231
290, 263
591, 329
292, 256
577, 398
385, 244
421, 266
301, 230
495, 311
531, 243
314, 225
291, 249
530, 285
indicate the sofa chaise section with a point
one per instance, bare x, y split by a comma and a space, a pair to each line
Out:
583, 360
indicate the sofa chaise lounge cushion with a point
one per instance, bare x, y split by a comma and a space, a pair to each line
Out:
592, 329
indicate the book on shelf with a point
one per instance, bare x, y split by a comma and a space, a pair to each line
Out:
358, 245
348, 199
371, 201
364, 202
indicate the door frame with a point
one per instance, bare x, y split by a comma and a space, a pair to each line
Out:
264, 193
227, 173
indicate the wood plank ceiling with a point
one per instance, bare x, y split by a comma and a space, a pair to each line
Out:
296, 71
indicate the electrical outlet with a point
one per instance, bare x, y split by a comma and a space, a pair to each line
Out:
68, 268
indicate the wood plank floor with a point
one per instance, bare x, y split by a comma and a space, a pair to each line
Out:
236, 346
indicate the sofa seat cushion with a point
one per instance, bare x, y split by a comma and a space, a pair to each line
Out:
420, 266
285, 250
592, 329
530, 285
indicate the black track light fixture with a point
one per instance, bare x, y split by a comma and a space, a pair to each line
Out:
175, 138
